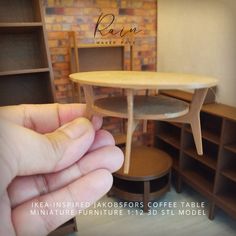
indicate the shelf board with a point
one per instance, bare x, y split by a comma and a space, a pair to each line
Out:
220, 110
24, 71
198, 181
229, 173
170, 139
211, 136
207, 135
20, 24
205, 159
231, 147
13, 28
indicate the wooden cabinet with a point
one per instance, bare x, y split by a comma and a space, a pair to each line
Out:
214, 173
25, 67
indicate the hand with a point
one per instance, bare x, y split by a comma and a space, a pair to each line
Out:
51, 153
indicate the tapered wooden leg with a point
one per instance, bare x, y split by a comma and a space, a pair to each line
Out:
89, 96
129, 130
193, 117
197, 134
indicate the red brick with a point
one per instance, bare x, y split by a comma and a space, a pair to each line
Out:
57, 35
61, 65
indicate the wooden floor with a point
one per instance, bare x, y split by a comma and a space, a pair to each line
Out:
150, 225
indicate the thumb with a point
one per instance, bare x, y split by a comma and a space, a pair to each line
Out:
25, 152
71, 141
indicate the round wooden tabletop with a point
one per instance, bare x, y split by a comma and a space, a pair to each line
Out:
143, 80
147, 163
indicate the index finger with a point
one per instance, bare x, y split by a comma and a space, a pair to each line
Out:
47, 117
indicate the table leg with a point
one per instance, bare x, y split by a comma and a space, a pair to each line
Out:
89, 97
130, 104
193, 117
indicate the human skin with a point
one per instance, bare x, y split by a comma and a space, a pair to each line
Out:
51, 153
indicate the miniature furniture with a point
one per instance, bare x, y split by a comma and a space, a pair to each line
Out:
145, 107
25, 68
214, 173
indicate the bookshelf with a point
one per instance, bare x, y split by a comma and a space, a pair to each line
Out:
214, 173
25, 68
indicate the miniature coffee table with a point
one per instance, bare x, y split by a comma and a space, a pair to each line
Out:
135, 108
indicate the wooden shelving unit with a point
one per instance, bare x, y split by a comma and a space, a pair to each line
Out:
214, 173
25, 68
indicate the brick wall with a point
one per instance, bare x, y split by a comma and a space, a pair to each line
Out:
62, 16
81, 16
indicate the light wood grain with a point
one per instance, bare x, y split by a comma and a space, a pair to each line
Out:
148, 107
143, 80
130, 129
193, 117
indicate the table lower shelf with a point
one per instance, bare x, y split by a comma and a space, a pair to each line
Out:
145, 107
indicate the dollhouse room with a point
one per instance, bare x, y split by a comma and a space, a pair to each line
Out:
148, 86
